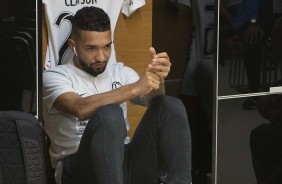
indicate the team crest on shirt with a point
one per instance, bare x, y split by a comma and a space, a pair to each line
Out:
116, 85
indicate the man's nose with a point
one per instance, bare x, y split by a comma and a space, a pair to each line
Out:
100, 55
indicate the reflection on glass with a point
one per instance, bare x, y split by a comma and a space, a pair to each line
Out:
18, 56
248, 57
250, 142
266, 141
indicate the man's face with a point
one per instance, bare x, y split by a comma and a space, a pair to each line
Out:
93, 51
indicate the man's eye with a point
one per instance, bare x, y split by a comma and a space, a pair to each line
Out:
108, 46
91, 48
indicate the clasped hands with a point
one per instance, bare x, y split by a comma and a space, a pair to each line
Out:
156, 71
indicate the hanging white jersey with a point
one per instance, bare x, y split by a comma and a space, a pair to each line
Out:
58, 19
203, 41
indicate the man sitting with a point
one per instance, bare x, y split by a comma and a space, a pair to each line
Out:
85, 114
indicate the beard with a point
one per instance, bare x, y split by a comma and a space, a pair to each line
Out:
93, 69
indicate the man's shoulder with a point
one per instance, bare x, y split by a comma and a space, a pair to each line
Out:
57, 69
119, 67
125, 73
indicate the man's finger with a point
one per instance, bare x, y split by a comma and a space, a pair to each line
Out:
153, 52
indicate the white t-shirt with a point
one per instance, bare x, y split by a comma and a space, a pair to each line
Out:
65, 130
58, 16
202, 47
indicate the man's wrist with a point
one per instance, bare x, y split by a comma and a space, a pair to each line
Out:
135, 87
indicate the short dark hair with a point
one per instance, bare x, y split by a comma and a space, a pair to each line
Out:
91, 19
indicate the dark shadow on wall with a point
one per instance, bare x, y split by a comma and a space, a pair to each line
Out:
18, 55
171, 32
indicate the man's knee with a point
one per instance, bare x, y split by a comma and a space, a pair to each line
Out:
110, 117
165, 100
111, 109
169, 103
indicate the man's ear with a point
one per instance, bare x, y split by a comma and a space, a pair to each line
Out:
71, 43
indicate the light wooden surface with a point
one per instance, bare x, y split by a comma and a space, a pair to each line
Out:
133, 37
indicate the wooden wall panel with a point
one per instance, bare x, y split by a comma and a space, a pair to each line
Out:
133, 37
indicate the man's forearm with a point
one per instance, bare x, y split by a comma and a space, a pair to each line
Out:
83, 107
144, 100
